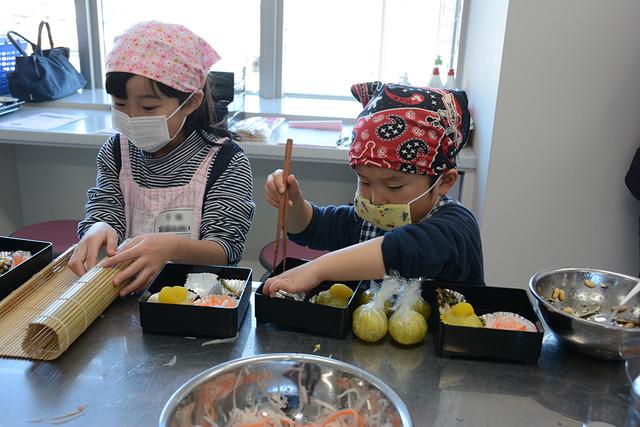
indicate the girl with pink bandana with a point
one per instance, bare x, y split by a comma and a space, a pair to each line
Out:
170, 180
403, 152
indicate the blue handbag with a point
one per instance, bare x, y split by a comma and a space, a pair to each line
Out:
44, 75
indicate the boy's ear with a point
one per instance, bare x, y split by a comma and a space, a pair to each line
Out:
447, 181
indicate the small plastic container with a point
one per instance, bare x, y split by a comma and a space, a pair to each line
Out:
193, 320
451, 82
41, 256
486, 343
304, 315
436, 81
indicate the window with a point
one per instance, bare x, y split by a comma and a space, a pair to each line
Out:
24, 17
316, 48
329, 45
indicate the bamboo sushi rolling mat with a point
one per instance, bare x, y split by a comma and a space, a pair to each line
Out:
41, 318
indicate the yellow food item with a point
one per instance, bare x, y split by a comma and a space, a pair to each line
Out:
174, 295
366, 297
407, 327
338, 302
369, 323
328, 298
462, 314
341, 291
323, 298
422, 307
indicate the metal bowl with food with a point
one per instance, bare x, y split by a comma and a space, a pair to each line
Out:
284, 390
576, 304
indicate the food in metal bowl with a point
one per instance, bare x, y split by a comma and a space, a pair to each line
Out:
285, 390
576, 304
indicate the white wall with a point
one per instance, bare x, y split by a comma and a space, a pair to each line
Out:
481, 53
566, 127
54, 181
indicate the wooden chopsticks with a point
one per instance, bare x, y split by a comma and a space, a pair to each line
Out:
283, 210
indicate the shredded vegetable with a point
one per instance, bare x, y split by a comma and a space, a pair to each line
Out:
355, 405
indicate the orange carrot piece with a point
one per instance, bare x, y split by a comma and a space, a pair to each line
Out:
357, 418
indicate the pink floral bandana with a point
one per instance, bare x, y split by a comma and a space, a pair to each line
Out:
166, 53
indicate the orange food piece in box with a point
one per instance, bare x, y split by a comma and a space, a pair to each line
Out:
217, 301
18, 259
508, 323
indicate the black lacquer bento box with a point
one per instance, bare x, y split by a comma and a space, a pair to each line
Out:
486, 343
41, 256
304, 315
192, 320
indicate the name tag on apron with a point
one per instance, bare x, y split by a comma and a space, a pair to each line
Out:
176, 221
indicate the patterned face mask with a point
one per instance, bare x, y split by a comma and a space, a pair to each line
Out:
387, 216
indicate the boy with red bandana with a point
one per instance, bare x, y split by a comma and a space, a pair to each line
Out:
403, 150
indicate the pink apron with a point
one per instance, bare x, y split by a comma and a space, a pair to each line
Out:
175, 210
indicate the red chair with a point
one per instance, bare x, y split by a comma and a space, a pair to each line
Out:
61, 233
293, 251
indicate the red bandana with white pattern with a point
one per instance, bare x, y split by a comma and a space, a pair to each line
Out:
409, 129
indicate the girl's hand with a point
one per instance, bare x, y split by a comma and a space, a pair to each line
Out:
85, 255
149, 253
274, 189
300, 279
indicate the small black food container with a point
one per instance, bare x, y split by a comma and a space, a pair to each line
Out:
487, 343
41, 256
304, 315
193, 320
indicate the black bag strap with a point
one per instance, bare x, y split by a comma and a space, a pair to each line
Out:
220, 163
17, 46
44, 24
226, 152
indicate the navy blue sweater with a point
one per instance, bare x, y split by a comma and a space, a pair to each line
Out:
444, 247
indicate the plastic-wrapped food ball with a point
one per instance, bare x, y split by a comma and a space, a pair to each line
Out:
422, 307
366, 297
369, 323
407, 327
341, 291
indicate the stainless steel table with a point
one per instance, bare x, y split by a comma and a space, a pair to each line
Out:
119, 373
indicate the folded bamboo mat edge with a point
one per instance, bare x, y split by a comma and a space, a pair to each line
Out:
45, 315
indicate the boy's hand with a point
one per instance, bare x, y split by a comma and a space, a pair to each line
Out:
149, 253
85, 255
300, 279
274, 189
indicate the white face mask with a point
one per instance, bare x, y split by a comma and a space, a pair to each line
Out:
148, 133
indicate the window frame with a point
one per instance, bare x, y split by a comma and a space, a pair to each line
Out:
92, 55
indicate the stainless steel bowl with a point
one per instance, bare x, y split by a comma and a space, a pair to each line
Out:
302, 387
594, 334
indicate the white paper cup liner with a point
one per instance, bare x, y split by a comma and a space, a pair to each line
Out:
457, 295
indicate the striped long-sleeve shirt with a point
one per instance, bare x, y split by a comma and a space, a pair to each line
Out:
228, 206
